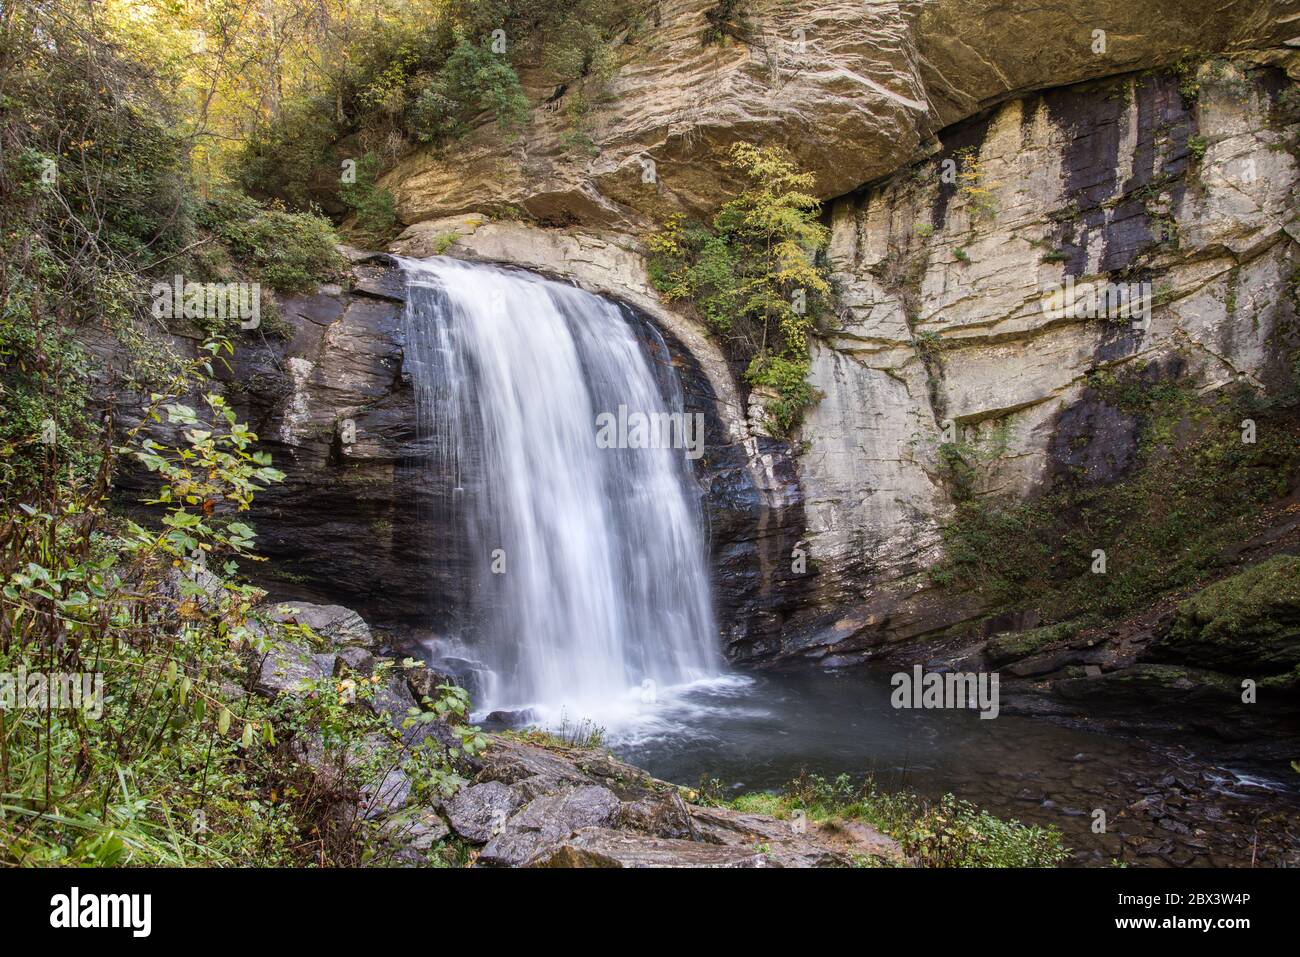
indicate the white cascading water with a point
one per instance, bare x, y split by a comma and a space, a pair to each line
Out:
585, 566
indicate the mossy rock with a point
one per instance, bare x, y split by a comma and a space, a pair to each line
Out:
1248, 624
1015, 645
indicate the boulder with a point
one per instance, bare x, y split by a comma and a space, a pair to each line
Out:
411, 834
662, 815
548, 820
505, 720
854, 90
394, 701
341, 627
354, 660
385, 795
287, 666
480, 811
605, 847
424, 681
512, 762
1248, 624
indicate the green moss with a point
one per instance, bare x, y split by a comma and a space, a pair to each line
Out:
1015, 645
1194, 488
1165, 677
1244, 623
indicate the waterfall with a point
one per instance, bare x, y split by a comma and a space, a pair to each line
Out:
583, 567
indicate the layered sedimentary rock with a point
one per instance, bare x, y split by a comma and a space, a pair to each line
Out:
855, 90
949, 334
982, 192
943, 272
360, 516
980, 196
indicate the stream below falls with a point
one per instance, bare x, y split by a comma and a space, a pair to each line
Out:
1165, 806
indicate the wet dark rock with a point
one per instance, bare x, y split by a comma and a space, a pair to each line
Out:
604, 847
662, 815
424, 681
1152, 805
511, 762
1094, 439
429, 731
464, 673
354, 661
622, 777
504, 720
394, 701
548, 820
540, 786
480, 811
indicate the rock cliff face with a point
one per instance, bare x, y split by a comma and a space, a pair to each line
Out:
357, 518
1182, 188
948, 331
855, 90
968, 172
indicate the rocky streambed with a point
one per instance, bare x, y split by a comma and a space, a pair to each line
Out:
526, 804
532, 800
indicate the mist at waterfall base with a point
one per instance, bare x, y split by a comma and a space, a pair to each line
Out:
586, 590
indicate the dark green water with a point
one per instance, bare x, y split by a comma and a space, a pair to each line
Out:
1164, 805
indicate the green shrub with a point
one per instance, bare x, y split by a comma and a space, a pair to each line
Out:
407, 81
954, 833
1195, 488
290, 252
935, 833
727, 20
788, 378
172, 763
293, 156
373, 209
753, 274
473, 80
94, 194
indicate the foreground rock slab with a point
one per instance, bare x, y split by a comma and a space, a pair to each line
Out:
588, 809
530, 801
